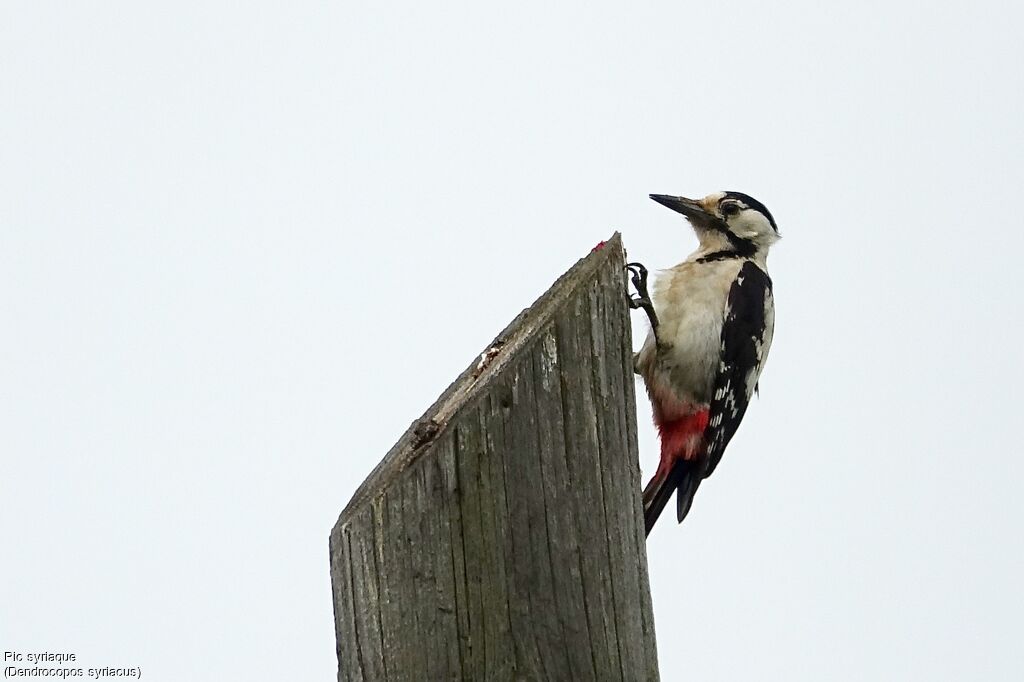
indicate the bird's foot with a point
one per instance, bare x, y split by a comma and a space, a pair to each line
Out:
638, 275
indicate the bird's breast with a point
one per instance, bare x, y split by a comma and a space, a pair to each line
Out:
690, 300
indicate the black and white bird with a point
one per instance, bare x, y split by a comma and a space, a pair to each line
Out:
712, 318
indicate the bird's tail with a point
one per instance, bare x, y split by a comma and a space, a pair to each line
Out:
684, 478
681, 467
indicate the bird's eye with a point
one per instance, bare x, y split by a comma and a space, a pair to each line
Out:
730, 208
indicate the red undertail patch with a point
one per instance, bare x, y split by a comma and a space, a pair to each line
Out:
681, 438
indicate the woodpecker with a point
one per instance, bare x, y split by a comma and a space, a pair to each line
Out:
712, 318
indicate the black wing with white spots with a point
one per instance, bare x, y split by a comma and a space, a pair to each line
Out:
746, 337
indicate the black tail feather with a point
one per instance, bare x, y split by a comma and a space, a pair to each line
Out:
687, 489
683, 477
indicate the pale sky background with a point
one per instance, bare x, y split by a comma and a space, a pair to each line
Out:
243, 245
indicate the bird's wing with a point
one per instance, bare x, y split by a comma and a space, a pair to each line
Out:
746, 338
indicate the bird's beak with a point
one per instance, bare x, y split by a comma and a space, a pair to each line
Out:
693, 210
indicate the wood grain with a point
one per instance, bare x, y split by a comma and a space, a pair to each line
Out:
501, 538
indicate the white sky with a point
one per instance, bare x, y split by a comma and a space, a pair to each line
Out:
243, 245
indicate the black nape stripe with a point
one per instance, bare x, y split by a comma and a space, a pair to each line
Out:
743, 247
720, 255
753, 203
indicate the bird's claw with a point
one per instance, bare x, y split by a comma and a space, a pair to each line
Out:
638, 276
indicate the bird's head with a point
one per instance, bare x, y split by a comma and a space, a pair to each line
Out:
727, 221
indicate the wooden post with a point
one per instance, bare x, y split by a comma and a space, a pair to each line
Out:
501, 538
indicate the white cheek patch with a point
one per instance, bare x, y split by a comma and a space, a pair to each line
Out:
753, 226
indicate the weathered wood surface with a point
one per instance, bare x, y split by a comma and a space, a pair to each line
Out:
501, 538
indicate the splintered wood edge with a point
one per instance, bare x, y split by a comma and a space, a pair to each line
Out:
419, 438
